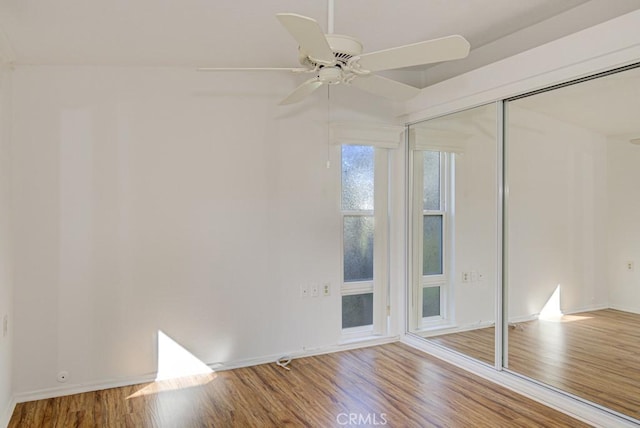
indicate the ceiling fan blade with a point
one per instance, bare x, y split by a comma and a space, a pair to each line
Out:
294, 70
427, 52
384, 87
302, 91
309, 36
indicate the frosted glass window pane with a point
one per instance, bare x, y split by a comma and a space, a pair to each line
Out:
431, 168
357, 310
358, 248
431, 302
357, 177
432, 245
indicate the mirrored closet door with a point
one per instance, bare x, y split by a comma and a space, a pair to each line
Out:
453, 176
572, 239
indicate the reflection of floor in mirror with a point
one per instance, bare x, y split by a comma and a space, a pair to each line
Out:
594, 355
478, 344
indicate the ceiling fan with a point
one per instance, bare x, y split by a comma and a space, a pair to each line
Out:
338, 59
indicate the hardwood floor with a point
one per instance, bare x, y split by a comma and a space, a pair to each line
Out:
594, 355
392, 385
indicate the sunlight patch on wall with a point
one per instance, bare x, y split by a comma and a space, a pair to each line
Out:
551, 309
552, 312
175, 361
177, 369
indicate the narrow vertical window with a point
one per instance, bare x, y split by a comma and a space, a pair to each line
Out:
433, 222
358, 184
431, 232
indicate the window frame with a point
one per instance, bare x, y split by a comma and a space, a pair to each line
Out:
379, 284
419, 281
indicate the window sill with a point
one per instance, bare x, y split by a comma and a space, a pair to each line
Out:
370, 340
435, 327
357, 333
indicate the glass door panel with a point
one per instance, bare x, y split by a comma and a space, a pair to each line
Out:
573, 239
454, 231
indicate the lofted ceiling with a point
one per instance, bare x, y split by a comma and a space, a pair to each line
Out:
245, 33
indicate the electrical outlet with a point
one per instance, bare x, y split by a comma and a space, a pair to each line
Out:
630, 265
304, 291
465, 276
315, 290
326, 289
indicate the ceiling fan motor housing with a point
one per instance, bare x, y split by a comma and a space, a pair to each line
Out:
343, 47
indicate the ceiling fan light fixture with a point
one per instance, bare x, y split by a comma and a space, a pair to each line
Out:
330, 75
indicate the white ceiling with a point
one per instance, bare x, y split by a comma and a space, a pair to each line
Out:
245, 33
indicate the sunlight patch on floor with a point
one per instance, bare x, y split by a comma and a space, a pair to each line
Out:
173, 384
572, 318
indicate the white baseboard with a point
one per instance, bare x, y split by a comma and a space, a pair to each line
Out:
454, 329
533, 317
346, 346
78, 388
60, 391
572, 406
523, 318
589, 308
633, 310
5, 417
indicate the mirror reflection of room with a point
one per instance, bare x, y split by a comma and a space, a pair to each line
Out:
572, 239
454, 230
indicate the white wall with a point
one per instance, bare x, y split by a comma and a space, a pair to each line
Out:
624, 224
165, 199
6, 280
557, 214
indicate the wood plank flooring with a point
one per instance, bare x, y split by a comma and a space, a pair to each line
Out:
392, 385
478, 344
594, 355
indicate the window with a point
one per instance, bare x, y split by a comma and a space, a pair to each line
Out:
364, 255
432, 209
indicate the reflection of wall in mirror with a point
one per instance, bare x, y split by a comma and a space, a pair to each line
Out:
623, 170
557, 215
475, 243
